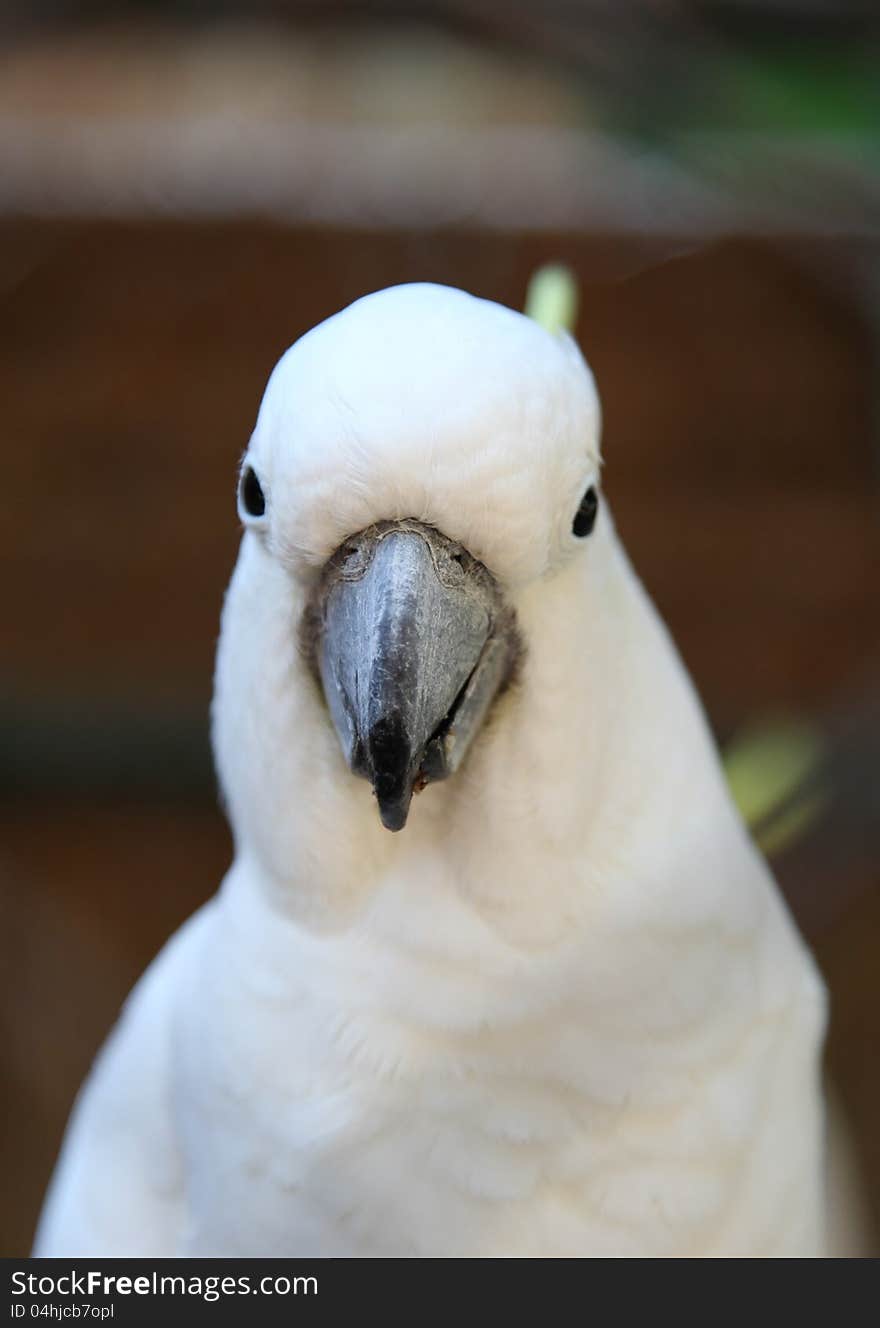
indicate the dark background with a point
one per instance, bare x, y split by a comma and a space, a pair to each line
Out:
736, 356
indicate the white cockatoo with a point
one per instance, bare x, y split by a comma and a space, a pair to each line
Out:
563, 1009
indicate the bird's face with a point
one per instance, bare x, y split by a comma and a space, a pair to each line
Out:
418, 460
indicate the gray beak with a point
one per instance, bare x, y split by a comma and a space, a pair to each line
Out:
413, 643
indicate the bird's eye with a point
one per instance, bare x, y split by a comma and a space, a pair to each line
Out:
251, 499
585, 516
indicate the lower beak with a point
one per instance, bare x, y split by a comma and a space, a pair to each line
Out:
407, 657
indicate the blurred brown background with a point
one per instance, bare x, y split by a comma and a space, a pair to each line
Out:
179, 201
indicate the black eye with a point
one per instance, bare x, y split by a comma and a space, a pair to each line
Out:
251, 498
585, 517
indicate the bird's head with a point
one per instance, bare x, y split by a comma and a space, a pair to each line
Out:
419, 462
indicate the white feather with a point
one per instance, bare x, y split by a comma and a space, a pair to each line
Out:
565, 1011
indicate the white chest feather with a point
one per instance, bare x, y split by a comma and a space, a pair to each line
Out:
348, 1098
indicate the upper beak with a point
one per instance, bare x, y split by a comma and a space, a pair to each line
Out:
410, 656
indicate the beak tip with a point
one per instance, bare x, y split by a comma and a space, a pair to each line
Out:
391, 763
394, 814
